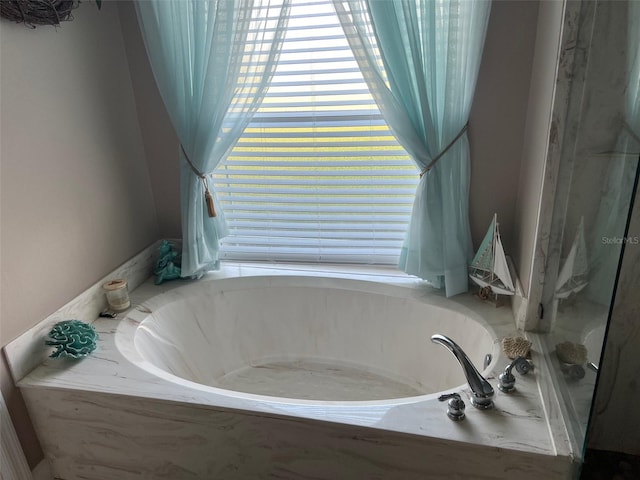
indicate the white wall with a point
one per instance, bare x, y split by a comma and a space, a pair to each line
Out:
76, 198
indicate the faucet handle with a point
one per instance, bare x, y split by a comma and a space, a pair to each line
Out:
507, 382
455, 406
522, 365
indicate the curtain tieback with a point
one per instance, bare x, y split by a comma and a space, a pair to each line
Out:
208, 198
446, 149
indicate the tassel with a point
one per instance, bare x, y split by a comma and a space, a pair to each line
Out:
208, 198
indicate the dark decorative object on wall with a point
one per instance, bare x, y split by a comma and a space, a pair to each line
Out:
39, 12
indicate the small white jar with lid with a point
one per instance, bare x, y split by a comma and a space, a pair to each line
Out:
117, 294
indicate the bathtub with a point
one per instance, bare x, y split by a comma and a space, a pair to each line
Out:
306, 340
263, 372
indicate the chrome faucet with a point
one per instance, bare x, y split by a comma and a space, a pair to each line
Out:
481, 389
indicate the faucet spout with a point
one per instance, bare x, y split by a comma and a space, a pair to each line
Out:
481, 389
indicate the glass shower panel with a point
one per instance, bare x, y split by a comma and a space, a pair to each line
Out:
595, 185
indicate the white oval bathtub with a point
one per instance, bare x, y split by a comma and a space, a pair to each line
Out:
309, 339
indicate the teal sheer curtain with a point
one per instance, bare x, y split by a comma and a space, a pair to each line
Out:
212, 61
420, 59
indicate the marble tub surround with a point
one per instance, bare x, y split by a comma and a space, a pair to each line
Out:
27, 351
134, 422
136, 437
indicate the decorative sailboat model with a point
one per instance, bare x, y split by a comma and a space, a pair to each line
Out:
573, 275
489, 267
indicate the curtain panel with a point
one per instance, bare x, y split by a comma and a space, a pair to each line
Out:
420, 59
212, 61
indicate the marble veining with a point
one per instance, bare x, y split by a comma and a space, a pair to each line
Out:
592, 186
529, 317
109, 416
311, 380
208, 331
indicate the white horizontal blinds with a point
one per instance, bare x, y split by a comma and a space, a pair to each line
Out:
316, 176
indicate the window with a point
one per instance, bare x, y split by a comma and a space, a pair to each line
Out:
316, 176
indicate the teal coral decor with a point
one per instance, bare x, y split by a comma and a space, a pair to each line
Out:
168, 264
72, 338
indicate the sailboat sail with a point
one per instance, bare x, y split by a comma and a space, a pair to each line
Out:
500, 267
489, 267
573, 275
484, 257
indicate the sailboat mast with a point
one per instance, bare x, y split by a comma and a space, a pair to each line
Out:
493, 245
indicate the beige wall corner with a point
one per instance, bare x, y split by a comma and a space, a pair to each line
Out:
160, 141
497, 118
76, 197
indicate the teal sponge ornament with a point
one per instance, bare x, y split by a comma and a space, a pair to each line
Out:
72, 338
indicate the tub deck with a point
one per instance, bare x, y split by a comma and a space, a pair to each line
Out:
106, 418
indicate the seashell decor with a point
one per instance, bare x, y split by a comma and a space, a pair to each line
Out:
516, 347
72, 338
